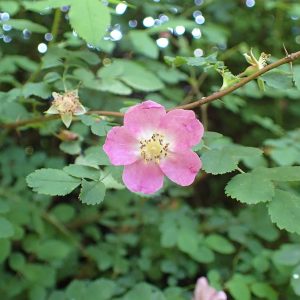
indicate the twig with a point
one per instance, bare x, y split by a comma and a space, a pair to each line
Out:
43, 119
289, 58
217, 95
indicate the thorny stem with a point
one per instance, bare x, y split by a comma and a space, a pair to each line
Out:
215, 96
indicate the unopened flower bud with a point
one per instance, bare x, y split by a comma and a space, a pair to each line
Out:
66, 135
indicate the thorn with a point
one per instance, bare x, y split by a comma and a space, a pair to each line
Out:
286, 52
290, 63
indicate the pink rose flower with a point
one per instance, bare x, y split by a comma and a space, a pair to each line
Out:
153, 143
203, 291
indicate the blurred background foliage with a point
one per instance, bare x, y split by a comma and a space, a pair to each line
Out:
131, 246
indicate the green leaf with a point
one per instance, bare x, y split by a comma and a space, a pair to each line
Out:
133, 74
178, 61
39, 274
100, 127
296, 70
52, 182
145, 290
287, 255
143, 43
21, 24
82, 172
6, 228
39, 89
284, 210
264, 290
238, 288
70, 147
113, 86
92, 192
39, 6
278, 79
250, 188
287, 173
90, 19
63, 212
52, 249
188, 24
9, 6
5, 249
219, 244
218, 161
4, 207
189, 242
286, 156
295, 281
103, 288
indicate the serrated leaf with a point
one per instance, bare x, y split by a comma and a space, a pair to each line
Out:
82, 172
284, 210
250, 188
92, 192
90, 19
6, 228
219, 161
52, 182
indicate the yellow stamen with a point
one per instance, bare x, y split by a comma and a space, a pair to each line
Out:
154, 149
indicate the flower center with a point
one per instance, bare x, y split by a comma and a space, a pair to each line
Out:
66, 103
154, 149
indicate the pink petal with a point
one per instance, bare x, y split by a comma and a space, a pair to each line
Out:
181, 167
203, 291
200, 288
121, 147
142, 177
220, 296
144, 117
184, 127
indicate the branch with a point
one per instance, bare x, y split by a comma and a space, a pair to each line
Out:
43, 119
217, 95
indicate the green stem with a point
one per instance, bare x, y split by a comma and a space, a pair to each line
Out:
55, 25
